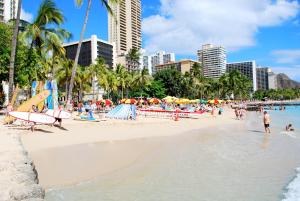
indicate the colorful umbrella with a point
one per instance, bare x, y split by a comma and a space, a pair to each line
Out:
130, 101
107, 102
154, 100
182, 101
169, 99
203, 101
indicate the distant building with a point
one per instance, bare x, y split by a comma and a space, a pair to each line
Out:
91, 49
158, 58
124, 26
8, 10
262, 77
213, 60
182, 66
247, 68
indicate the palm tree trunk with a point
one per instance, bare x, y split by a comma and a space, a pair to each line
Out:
93, 84
13, 52
78, 52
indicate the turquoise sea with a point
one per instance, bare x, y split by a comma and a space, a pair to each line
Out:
230, 163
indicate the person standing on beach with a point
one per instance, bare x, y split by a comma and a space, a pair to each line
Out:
266, 120
9, 108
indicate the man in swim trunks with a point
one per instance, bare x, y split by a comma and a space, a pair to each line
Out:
266, 120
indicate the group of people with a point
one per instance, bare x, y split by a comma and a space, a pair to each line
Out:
240, 113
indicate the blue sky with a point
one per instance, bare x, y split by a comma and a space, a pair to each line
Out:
267, 31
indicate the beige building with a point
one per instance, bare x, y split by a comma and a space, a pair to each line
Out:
124, 27
182, 66
8, 10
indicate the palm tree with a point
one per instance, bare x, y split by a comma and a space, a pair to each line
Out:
13, 52
54, 45
132, 59
112, 82
48, 14
82, 82
122, 76
79, 3
63, 74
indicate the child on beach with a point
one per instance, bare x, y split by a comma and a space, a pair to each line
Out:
289, 127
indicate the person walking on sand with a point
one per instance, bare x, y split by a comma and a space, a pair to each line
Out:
33, 110
266, 120
9, 108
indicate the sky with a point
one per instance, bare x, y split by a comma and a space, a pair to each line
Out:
267, 31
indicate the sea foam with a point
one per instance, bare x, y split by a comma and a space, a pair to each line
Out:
293, 189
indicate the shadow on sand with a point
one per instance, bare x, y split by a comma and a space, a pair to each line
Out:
256, 131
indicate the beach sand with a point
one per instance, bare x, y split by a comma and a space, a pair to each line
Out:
210, 158
71, 155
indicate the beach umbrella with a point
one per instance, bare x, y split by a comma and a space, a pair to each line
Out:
107, 102
182, 101
203, 101
169, 99
195, 101
154, 100
130, 101
213, 101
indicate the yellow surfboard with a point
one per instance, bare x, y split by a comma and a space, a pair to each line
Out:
40, 89
26, 106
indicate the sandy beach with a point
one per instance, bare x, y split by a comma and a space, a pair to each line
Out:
227, 159
61, 156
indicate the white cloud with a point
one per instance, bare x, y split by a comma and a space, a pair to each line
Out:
287, 56
183, 26
26, 16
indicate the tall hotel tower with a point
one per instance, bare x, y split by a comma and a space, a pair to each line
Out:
8, 10
124, 26
213, 60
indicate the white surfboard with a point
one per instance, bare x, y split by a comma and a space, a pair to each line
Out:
33, 117
59, 114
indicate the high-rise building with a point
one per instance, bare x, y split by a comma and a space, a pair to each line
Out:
213, 60
182, 66
247, 68
124, 26
262, 77
91, 49
159, 58
8, 10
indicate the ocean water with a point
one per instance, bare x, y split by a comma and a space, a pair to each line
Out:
230, 163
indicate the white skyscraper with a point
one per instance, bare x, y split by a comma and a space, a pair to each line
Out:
213, 60
124, 27
8, 10
158, 58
